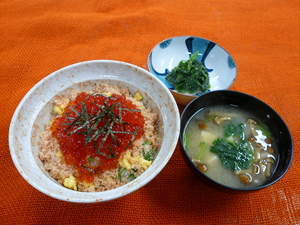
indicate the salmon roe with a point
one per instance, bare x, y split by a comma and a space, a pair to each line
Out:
97, 128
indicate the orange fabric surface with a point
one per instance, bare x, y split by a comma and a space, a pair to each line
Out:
38, 37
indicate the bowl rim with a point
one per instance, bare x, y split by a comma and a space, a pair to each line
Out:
225, 187
83, 197
197, 37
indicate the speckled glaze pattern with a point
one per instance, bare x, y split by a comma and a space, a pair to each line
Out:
33, 113
168, 53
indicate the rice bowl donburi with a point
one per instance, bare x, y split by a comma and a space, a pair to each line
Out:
35, 115
99, 140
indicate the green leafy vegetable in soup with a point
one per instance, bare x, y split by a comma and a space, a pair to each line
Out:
234, 156
202, 147
232, 129
190, 76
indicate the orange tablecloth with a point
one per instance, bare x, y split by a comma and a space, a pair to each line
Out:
38, 37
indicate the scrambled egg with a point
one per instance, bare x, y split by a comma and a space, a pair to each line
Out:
71, 183
138, 96
59, 109
88, 185
59, 154
108, 94
127, 161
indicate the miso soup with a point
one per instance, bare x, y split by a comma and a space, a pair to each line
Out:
231, 146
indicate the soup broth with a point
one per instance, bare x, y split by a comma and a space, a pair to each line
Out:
231, 146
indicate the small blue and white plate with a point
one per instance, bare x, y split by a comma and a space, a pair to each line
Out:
167, 54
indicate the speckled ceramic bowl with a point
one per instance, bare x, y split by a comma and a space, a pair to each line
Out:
218, 62
32, 114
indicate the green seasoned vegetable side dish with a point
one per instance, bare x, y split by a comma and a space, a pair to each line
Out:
189, 76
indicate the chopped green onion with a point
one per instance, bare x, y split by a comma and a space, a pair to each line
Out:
150, 155
120, 172
265, 130
186, 140
202, 147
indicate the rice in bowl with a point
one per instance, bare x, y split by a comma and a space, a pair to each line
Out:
89, 175
33, 112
